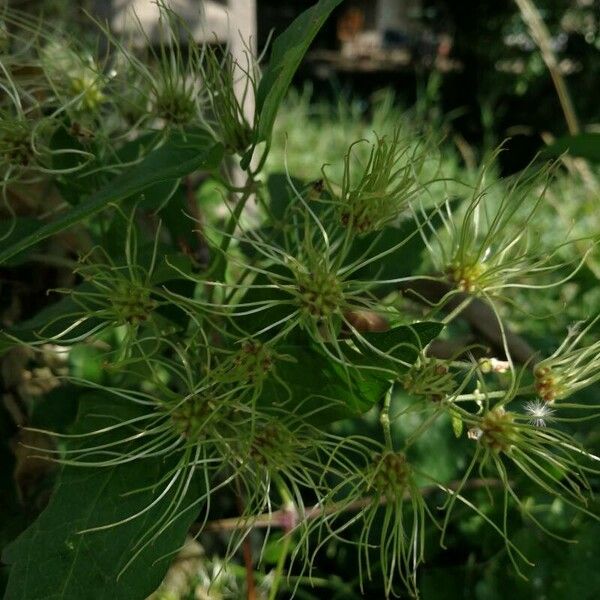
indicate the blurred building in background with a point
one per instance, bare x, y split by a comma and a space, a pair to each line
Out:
386, 35
207, 20
367, 35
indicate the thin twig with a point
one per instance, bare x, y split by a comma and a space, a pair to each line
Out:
478, 314
246, 552
281, 518
543, 39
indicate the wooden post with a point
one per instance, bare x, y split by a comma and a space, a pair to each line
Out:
242, 40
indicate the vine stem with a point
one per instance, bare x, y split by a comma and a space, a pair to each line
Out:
219, 265
280, 564
384, 419
281, 518
479, 395
250, 583
246, 550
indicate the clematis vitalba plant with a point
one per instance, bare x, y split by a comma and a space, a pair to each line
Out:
266, 381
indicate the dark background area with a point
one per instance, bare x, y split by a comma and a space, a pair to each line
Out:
484, 104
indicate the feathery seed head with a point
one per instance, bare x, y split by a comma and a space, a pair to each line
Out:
466, 277
430, 378
189, 417
572, 367
320, 293
272, 445
390, 473
251, 364
226, 105
131, 303
497, 430
89, 88
382, 190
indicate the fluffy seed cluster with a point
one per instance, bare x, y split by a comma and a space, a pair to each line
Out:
15, 142
89, 89
379, 192
269, 444
539, 412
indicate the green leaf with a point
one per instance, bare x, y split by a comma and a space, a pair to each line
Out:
14, 516
52, 560
86, 362
584, 145
457, 424
393, 252
17, 229
49, 322
57, 409
176, 158
281, 195
402, 342
288, 50
318, 387
84, 175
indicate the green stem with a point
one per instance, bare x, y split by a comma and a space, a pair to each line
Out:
288, 503
449, 317
478, 395
279, 568
235, 216
262, 160
312, 581
384, 419
217, 272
